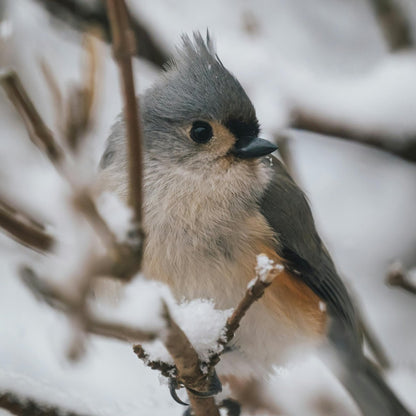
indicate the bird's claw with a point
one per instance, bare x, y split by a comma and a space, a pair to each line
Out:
173, 386
214, 387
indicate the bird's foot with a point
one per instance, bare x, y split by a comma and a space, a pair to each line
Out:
214, 387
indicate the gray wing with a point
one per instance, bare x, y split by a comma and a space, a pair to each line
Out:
286, 209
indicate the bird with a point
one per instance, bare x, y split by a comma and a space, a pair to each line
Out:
214, 198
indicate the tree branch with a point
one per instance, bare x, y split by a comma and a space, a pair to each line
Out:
24, 229
123, 50
20, 406
59, 300
81, 16
397, 276
255, 290
39, 133
404, 147
393, 23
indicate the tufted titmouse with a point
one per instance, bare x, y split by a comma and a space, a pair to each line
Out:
215, 199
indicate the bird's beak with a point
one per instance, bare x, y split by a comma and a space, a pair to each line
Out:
252, 147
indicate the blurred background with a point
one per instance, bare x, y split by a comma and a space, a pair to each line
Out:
325, 76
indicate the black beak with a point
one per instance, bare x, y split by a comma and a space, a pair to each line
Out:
252, 147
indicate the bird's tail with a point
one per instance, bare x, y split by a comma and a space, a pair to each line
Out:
371, 393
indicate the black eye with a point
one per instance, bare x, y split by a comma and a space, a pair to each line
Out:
201, 132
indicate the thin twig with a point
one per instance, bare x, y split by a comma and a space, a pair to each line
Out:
254, 292
59, 300
21, 406
37, 129
394, 24
166, 369
24, 229
404, 147
397, 276
79, 114
81, 16
126, 257
123, 50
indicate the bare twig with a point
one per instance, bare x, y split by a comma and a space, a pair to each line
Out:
58, 299
404, 147
253, 293
37, 129
24, 229
394, 24
79, 115
20, 406
397, 276
187, 364
81, 16
123, 50
126, 256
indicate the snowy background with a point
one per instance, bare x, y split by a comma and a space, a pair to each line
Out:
325, 55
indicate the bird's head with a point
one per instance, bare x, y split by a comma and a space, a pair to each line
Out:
199, 113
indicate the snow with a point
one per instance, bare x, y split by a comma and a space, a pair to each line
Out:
109, 203
202, 324
326, 57
264, 269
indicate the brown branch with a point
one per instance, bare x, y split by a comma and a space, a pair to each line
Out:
187, 363
24, 229
127, 256
253, 293
59, 300
20, 406
39, 133
400, 278
82, 16
123, 50
167, 370
394, 24
404, 147
188, 367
